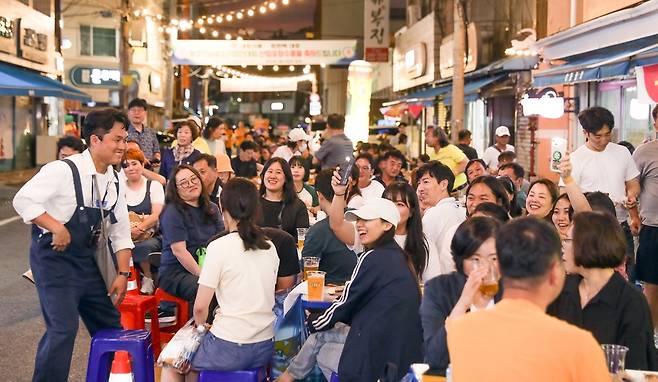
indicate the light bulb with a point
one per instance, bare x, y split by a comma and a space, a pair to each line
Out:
262, 9
200, 21
215, 34
275, 68
219, 19
285, 2
227, 36
239, 15
323, 65
239, 38
202, 30
211, 20
250, 12
259, 67
229, 17
272, 5
291, 68
243, 66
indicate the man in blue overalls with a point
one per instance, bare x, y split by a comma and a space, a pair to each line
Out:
63, 202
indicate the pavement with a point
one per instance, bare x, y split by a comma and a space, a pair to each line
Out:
21, 323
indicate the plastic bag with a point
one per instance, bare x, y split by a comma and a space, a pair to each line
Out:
180, 351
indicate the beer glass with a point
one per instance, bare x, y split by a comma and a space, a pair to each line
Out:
315, 282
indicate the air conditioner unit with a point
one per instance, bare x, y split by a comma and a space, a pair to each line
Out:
413, 14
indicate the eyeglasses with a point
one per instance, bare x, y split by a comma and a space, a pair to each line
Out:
186, 183
365, 168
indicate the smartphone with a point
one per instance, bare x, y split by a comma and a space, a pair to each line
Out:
345, 170
558, 151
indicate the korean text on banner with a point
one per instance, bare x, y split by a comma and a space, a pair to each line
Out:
376, 33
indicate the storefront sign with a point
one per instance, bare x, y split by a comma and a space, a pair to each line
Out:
548, 105
647, 83
264, 84
414, 54
376, 30
8, 35
83, 76
33, 45
279, 106
446, 62
263, 52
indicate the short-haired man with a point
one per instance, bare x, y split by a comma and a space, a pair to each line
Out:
600, 165
435, 180
529, 254
244, 164
63, 202
337, 147
335, 258
139, 132
491, 154
447, 153
516, 172
69, 145
369, 188
206, 164
506, 157
646, 270
464, 144
391, 165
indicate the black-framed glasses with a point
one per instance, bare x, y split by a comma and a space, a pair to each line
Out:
191, 181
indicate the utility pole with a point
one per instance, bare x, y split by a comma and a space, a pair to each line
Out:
125, 53
458, 38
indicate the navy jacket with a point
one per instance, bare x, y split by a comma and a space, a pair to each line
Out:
381, 304
168, 163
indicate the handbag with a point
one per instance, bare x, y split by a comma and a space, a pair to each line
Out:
103, 255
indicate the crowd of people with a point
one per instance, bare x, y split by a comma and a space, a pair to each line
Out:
446, 259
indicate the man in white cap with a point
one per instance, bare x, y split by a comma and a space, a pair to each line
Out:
297, 143
490, 155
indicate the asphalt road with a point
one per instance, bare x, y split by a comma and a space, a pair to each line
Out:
21, 324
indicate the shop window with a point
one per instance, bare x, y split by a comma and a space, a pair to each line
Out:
97, 41
632, 119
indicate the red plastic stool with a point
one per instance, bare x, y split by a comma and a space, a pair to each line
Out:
133, 310
182, 313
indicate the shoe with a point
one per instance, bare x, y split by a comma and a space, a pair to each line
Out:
164, 317
28, 276
148, 286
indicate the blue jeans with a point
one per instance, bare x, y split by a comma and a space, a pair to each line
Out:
218, 354
321, 348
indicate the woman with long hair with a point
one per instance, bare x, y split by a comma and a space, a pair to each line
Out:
375, 323
145, 199
188, 221
542, 195
241, 271
214, 135
281, 208
454, 294
184, 152
305, 192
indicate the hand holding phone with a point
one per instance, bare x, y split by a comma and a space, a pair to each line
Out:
345, 170
558, 152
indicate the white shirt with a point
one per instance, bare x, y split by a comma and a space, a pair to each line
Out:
51, 190
437, 221
490, 156
606, 171
373, 190
244, 284
135, 197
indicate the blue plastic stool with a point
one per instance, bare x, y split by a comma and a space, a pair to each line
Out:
249, 375
334, 378
135, 342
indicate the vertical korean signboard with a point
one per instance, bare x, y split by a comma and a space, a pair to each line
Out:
376, 33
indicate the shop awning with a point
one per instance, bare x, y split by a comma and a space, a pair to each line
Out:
601, 64
472, 88
15, 81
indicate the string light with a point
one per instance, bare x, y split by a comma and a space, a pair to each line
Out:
229, 18
259, 67
227, 36
202, 30
215, 34
239, 15
272, 6
250, 13
275, 68
219, 19
262, 9
291, 68
285, 2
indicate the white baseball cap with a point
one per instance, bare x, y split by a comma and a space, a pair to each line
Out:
502, 131
375, 208
298, 134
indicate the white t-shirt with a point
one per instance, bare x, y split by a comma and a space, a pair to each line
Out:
374, 190
135, 197
244, 283
437, 221
490, 156
606, 171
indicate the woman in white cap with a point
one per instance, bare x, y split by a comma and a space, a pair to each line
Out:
297, 144
380, 304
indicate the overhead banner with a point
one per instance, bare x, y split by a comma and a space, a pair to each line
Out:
376, 30
263, 84
647, 83
263, 52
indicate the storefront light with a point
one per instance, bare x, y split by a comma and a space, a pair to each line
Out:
639, 111
548, 106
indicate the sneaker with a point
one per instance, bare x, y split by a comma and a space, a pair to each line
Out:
28, 276
148, 286
164, 317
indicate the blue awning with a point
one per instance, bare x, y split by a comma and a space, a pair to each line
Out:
472, 88
15, 81
601, 64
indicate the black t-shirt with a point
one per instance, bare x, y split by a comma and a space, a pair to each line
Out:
288, 218
468, 151
244, 169
286, 248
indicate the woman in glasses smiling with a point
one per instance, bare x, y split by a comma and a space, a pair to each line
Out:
188, 221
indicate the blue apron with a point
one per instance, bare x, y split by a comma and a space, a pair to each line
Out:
144, 207
69, 285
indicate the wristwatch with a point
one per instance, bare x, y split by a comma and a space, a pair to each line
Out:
127, 274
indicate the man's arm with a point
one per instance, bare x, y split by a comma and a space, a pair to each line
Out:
632, 193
